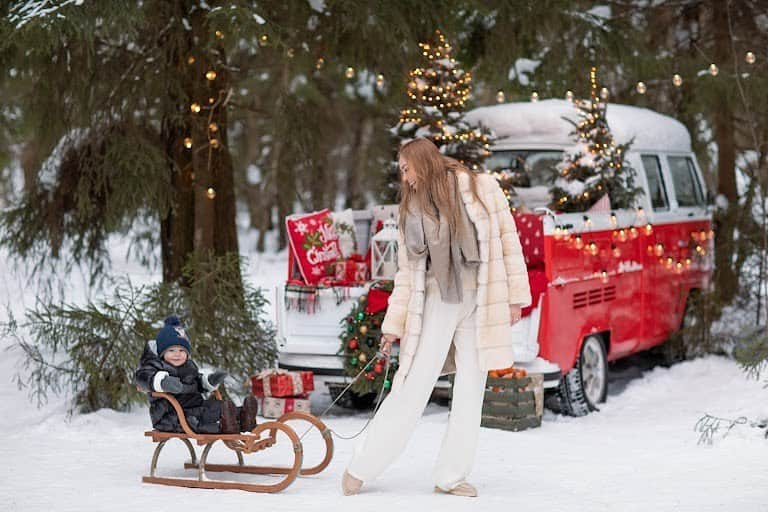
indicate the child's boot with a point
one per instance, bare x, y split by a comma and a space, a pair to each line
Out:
248, 413
229, 423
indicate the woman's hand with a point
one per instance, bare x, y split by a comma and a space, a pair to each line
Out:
386, 342
515, 313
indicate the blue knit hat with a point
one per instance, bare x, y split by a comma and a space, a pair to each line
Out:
171, 334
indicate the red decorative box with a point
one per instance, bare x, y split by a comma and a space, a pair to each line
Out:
272, 407
353, 270
282, 383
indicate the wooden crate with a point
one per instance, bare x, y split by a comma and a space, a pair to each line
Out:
513, 404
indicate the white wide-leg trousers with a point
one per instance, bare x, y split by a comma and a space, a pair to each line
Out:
391, 428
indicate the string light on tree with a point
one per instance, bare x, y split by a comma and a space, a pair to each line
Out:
191, 60
379, 81
604, 93
597, 167
749, 58
677, 80
713, 70
188, 142
350, 72
438, 91
569, 95
534, 96
195, 107
500, 96
641, 88
213, 127
319, 63
210, 193
263, 40
210, 75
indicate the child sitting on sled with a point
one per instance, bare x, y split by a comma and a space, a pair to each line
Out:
166, 366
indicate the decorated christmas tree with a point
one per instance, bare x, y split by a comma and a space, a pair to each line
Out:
597, 167
438, 92
360, 341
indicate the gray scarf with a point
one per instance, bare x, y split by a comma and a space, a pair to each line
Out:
447, 253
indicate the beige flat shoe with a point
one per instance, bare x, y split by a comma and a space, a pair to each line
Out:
350, 485
463, 489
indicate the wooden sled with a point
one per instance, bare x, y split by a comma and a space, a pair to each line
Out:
244, 443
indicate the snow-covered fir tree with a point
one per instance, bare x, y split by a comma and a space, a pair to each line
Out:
597, 166
438, 93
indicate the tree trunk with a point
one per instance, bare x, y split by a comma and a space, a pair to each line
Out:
358, 171
202, 218
726, 277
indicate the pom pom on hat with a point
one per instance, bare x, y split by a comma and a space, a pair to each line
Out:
172, 334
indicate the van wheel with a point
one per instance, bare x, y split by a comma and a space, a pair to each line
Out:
680, 346
586, 384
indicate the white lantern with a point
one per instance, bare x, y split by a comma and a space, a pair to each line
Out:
384, 251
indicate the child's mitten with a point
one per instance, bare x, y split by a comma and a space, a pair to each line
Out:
217, 378
171, 384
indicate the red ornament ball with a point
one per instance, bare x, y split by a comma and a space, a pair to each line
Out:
378, 368
353, 344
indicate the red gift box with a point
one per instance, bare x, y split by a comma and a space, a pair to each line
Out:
282, 383
352, 270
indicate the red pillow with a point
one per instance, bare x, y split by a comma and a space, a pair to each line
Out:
531, 233
314, 242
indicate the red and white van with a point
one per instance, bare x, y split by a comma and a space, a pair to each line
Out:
605, 284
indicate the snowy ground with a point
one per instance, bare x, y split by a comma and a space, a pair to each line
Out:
639, 452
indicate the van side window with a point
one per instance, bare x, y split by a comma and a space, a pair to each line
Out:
655, 182
687, 186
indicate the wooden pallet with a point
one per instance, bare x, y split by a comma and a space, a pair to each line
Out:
513, 404
262, 437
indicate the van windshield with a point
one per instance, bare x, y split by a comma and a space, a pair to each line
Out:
531, 173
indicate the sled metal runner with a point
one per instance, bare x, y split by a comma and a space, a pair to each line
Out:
262, 437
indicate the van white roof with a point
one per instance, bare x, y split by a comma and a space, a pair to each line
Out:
541, 124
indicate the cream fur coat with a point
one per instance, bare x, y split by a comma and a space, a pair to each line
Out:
502, 279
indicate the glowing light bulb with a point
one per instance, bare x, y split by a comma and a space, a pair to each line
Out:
350, 72
500, 96
677, 80
604, 93
534, 96
750, 58
188, 142
713, 70
641, 88
319, 63
195, 107
569, 95
210, 193
210, 74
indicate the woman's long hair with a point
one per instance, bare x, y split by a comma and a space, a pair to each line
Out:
432, 191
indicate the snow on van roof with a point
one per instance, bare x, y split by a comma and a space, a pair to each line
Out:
542, 123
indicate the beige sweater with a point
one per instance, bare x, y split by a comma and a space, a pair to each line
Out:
502, 279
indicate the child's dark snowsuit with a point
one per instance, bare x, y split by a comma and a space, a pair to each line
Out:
202, 415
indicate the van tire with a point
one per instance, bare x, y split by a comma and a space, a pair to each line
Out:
680, 347
592, 365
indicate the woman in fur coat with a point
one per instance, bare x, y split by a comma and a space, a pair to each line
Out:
460, 286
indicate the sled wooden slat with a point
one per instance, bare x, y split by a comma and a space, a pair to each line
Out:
243, 443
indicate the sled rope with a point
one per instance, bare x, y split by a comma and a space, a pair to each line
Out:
379, 354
